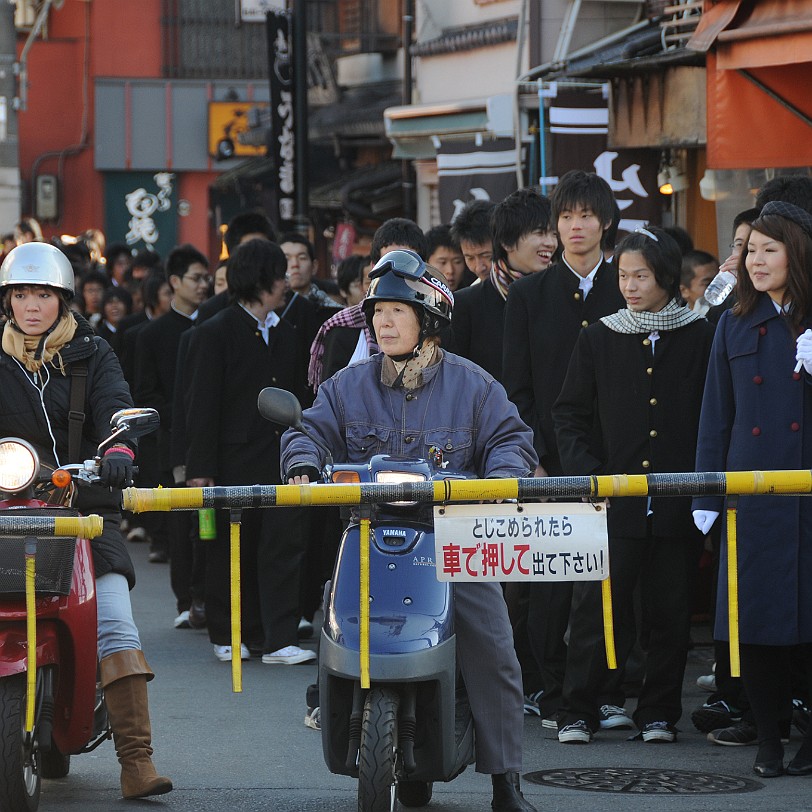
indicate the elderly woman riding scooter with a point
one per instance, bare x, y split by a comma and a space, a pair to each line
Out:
407, 391
43, 344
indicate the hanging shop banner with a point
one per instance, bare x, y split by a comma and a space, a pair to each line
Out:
280, 69
578, 126
469, 171
141, 210
513, 542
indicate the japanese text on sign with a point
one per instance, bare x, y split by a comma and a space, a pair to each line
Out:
508, 542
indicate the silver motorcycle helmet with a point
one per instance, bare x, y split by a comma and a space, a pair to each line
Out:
37, 263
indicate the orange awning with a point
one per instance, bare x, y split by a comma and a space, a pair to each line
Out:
749, 34
759, 69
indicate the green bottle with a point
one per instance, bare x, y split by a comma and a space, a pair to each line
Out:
207, 526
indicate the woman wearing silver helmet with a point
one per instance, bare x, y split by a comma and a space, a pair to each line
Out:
43, 342
401, 402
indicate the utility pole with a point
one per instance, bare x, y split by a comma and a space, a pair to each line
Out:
9, 144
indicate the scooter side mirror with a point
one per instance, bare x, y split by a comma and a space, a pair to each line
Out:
135, 422
280, 406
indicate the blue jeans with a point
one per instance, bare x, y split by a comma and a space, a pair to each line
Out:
117, 629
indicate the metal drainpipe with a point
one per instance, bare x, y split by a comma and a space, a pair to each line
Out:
408, 33
20, 68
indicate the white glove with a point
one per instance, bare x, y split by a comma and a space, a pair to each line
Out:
704, 519
803, 352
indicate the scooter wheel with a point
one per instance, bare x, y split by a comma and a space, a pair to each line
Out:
414, 793
376, 755
19, 767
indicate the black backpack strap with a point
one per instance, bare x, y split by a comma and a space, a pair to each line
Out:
76, 416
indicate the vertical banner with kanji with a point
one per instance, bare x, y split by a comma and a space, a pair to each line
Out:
467, 171
281, 148
578, 122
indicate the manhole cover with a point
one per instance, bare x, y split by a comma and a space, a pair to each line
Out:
642, 781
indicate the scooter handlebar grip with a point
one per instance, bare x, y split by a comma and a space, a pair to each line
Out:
145, 500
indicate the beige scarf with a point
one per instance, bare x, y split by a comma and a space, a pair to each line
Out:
26, 349
410, 372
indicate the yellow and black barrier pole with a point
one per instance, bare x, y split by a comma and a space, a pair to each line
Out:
731, 484
31, 632
236, 600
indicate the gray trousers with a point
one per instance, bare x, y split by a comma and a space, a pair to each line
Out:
490, 670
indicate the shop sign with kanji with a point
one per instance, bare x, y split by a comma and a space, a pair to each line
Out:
521, 542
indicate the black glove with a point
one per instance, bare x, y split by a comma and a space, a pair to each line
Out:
302, 469
116, 469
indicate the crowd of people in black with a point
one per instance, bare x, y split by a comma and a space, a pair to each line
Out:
614, 360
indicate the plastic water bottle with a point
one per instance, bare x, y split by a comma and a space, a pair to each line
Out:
719, 288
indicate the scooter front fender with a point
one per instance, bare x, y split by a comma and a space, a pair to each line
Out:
14, 647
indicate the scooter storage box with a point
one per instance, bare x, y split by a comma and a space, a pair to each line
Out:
53, 561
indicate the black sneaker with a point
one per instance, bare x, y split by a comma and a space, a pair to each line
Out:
614, 717
741, 734
658, 732
577, 733
715, 716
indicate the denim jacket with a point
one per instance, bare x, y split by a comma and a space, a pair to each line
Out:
459, 409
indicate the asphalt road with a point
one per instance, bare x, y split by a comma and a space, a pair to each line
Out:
249, 752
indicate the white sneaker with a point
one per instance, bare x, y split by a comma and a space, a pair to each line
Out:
707, 683
223, 653
182, 620
289, 655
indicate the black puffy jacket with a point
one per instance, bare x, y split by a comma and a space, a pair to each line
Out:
38, 412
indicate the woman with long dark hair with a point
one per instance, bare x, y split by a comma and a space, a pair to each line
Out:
757, 415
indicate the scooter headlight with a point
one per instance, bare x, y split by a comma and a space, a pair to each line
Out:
395, 478
19, 465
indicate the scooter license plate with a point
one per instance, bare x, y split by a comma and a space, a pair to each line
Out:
521, 542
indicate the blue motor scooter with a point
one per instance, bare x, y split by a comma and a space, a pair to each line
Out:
413, 725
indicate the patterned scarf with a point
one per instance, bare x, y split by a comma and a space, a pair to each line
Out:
671, 317
34, 351
409, 373
502, 276
348, 317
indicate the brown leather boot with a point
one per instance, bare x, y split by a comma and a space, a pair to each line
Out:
124, 679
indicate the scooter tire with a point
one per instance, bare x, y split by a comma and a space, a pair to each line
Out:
414, 793
377, 752
20, 783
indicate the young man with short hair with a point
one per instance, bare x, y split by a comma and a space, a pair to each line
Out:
544, 315
302, 268
471, 229
156, 359
523, 243
444, 254
230, 359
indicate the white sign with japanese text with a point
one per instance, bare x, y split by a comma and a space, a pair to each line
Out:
527, 542
254, 11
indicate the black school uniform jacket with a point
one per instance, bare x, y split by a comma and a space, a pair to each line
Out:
227, 365
477, 324
647, 404
156, 361
544, 314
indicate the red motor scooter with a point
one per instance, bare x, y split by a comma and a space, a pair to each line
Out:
51, 705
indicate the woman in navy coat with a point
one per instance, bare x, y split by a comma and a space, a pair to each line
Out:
757, 415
